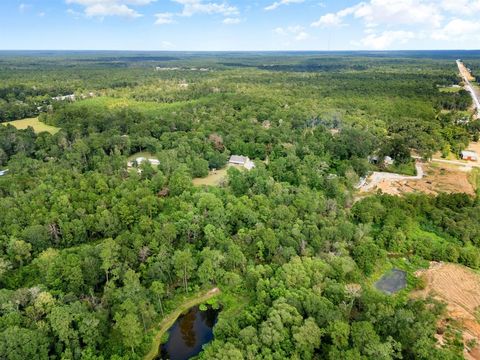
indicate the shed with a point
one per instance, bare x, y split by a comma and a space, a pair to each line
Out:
388, 160
469, 155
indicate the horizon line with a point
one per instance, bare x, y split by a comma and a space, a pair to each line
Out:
199, 51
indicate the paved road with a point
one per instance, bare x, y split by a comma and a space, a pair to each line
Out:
377, 177
469, 86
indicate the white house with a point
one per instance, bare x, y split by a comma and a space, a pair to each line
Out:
139, 160
242, 160
3, 172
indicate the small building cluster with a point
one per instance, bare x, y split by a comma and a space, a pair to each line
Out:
242, 161
387, 160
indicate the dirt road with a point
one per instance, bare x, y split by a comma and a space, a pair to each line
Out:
474, 92
377, 177
452, 162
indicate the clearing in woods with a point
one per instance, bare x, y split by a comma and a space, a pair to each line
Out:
215, 177
437, 178
459, 287
36, 124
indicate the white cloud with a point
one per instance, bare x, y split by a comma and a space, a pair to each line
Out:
458, 30
279, 3
192, 7
463, 7
231, 21
102, 8
385, 39
388, 13
296, 32
41, 13
164, 18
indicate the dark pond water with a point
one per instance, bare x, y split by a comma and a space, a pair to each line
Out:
189, 333
393, 281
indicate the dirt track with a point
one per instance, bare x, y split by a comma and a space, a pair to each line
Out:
445, 178
377, 177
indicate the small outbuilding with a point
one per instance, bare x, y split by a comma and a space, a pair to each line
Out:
388, 160
469, 155
3, 172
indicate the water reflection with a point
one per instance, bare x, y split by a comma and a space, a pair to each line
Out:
189, 333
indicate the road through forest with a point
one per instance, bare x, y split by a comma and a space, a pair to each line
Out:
474, 92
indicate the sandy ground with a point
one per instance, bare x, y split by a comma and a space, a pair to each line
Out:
464, 72
436, 178
459, 288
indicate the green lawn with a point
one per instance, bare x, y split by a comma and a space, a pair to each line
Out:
36, 124
214, 178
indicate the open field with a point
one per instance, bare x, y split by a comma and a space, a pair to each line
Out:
459, 288
36, 124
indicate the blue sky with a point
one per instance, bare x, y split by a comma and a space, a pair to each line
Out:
239, 25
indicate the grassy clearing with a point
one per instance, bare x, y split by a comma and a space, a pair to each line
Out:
168, 321
214, 178
36, 124
449, 89
404, 169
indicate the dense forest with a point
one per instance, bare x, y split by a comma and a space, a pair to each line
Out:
94, 254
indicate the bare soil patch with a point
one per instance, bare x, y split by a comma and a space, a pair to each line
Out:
459, 288
437, 178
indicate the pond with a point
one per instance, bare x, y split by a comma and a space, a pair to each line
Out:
392, 282
188, 334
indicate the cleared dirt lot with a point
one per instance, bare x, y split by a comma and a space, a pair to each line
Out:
436, 178
459, 288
